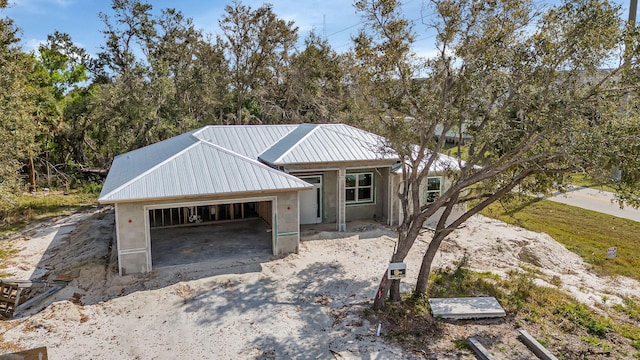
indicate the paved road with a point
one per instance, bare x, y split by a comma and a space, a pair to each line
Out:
596, 200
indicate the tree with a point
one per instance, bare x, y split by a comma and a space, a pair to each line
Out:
63, 72
311, 88
17, 106
159, 77
258, 44
526, 85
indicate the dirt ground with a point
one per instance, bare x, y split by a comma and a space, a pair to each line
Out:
309, 305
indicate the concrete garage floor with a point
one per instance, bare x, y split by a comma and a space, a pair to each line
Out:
244, 240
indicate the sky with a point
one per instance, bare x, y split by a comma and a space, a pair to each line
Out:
335, 19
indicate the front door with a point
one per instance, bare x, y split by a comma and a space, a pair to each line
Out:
311, 201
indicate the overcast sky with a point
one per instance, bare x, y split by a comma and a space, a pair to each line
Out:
337, 19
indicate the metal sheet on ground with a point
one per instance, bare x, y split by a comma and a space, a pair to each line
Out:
31, 354
466, 308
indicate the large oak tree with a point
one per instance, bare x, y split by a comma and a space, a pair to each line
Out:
528, 85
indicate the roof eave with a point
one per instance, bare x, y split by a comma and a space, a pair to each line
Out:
201, 196
384, 162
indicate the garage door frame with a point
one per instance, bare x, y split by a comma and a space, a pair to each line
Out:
147, 223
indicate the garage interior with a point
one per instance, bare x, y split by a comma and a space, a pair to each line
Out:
210, 233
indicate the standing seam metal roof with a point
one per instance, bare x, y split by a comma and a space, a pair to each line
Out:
199, 168
326, 143
223, 159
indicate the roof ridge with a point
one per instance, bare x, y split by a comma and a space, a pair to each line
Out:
199, 131
189, 133
297, 143
314, 127
278, 141
139, 176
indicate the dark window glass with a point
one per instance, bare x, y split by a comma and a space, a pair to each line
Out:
433, 184
350, 180
351, 195
364, 194
364, 180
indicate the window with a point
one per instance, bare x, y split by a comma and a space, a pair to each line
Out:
433, 189
359, 188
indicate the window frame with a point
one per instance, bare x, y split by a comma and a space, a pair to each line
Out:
357, 187
426, 191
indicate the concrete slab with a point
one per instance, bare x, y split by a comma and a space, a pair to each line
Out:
245, 239
466, 308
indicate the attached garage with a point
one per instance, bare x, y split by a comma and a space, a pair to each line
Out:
183, 196
210, 232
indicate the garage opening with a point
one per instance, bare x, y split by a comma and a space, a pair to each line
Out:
222, 233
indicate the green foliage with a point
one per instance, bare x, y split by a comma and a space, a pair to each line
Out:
587, 233
64, 62
461, 344
596, 342
257, 42
19, 106
553, 310
582, 317
158, 76
525, 84
585, 180
460, 281
630, 306
92, 188
30, 207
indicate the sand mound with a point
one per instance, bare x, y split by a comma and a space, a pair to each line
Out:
309, 304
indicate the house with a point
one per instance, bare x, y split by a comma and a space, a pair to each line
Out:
279, 176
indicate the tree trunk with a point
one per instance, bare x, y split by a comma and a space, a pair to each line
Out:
442, 231
427, 261
405, 242
381, 294
32, 175
394, 293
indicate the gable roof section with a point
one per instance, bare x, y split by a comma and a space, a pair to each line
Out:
200, 169
128, 166
325, 143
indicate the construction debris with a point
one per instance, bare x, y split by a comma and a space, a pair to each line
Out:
466, 308
10, 290
478, 349
31, 354
537, 348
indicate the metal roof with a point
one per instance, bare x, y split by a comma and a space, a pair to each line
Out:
247, 140
326, 143
223, 160
287, 143
200, 169
129, 165
441, 164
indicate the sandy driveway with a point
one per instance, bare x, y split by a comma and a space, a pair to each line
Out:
308, 305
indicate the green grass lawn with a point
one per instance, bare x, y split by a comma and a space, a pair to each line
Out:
30, 207
586, 181
34, 207
587, 233
460, 152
